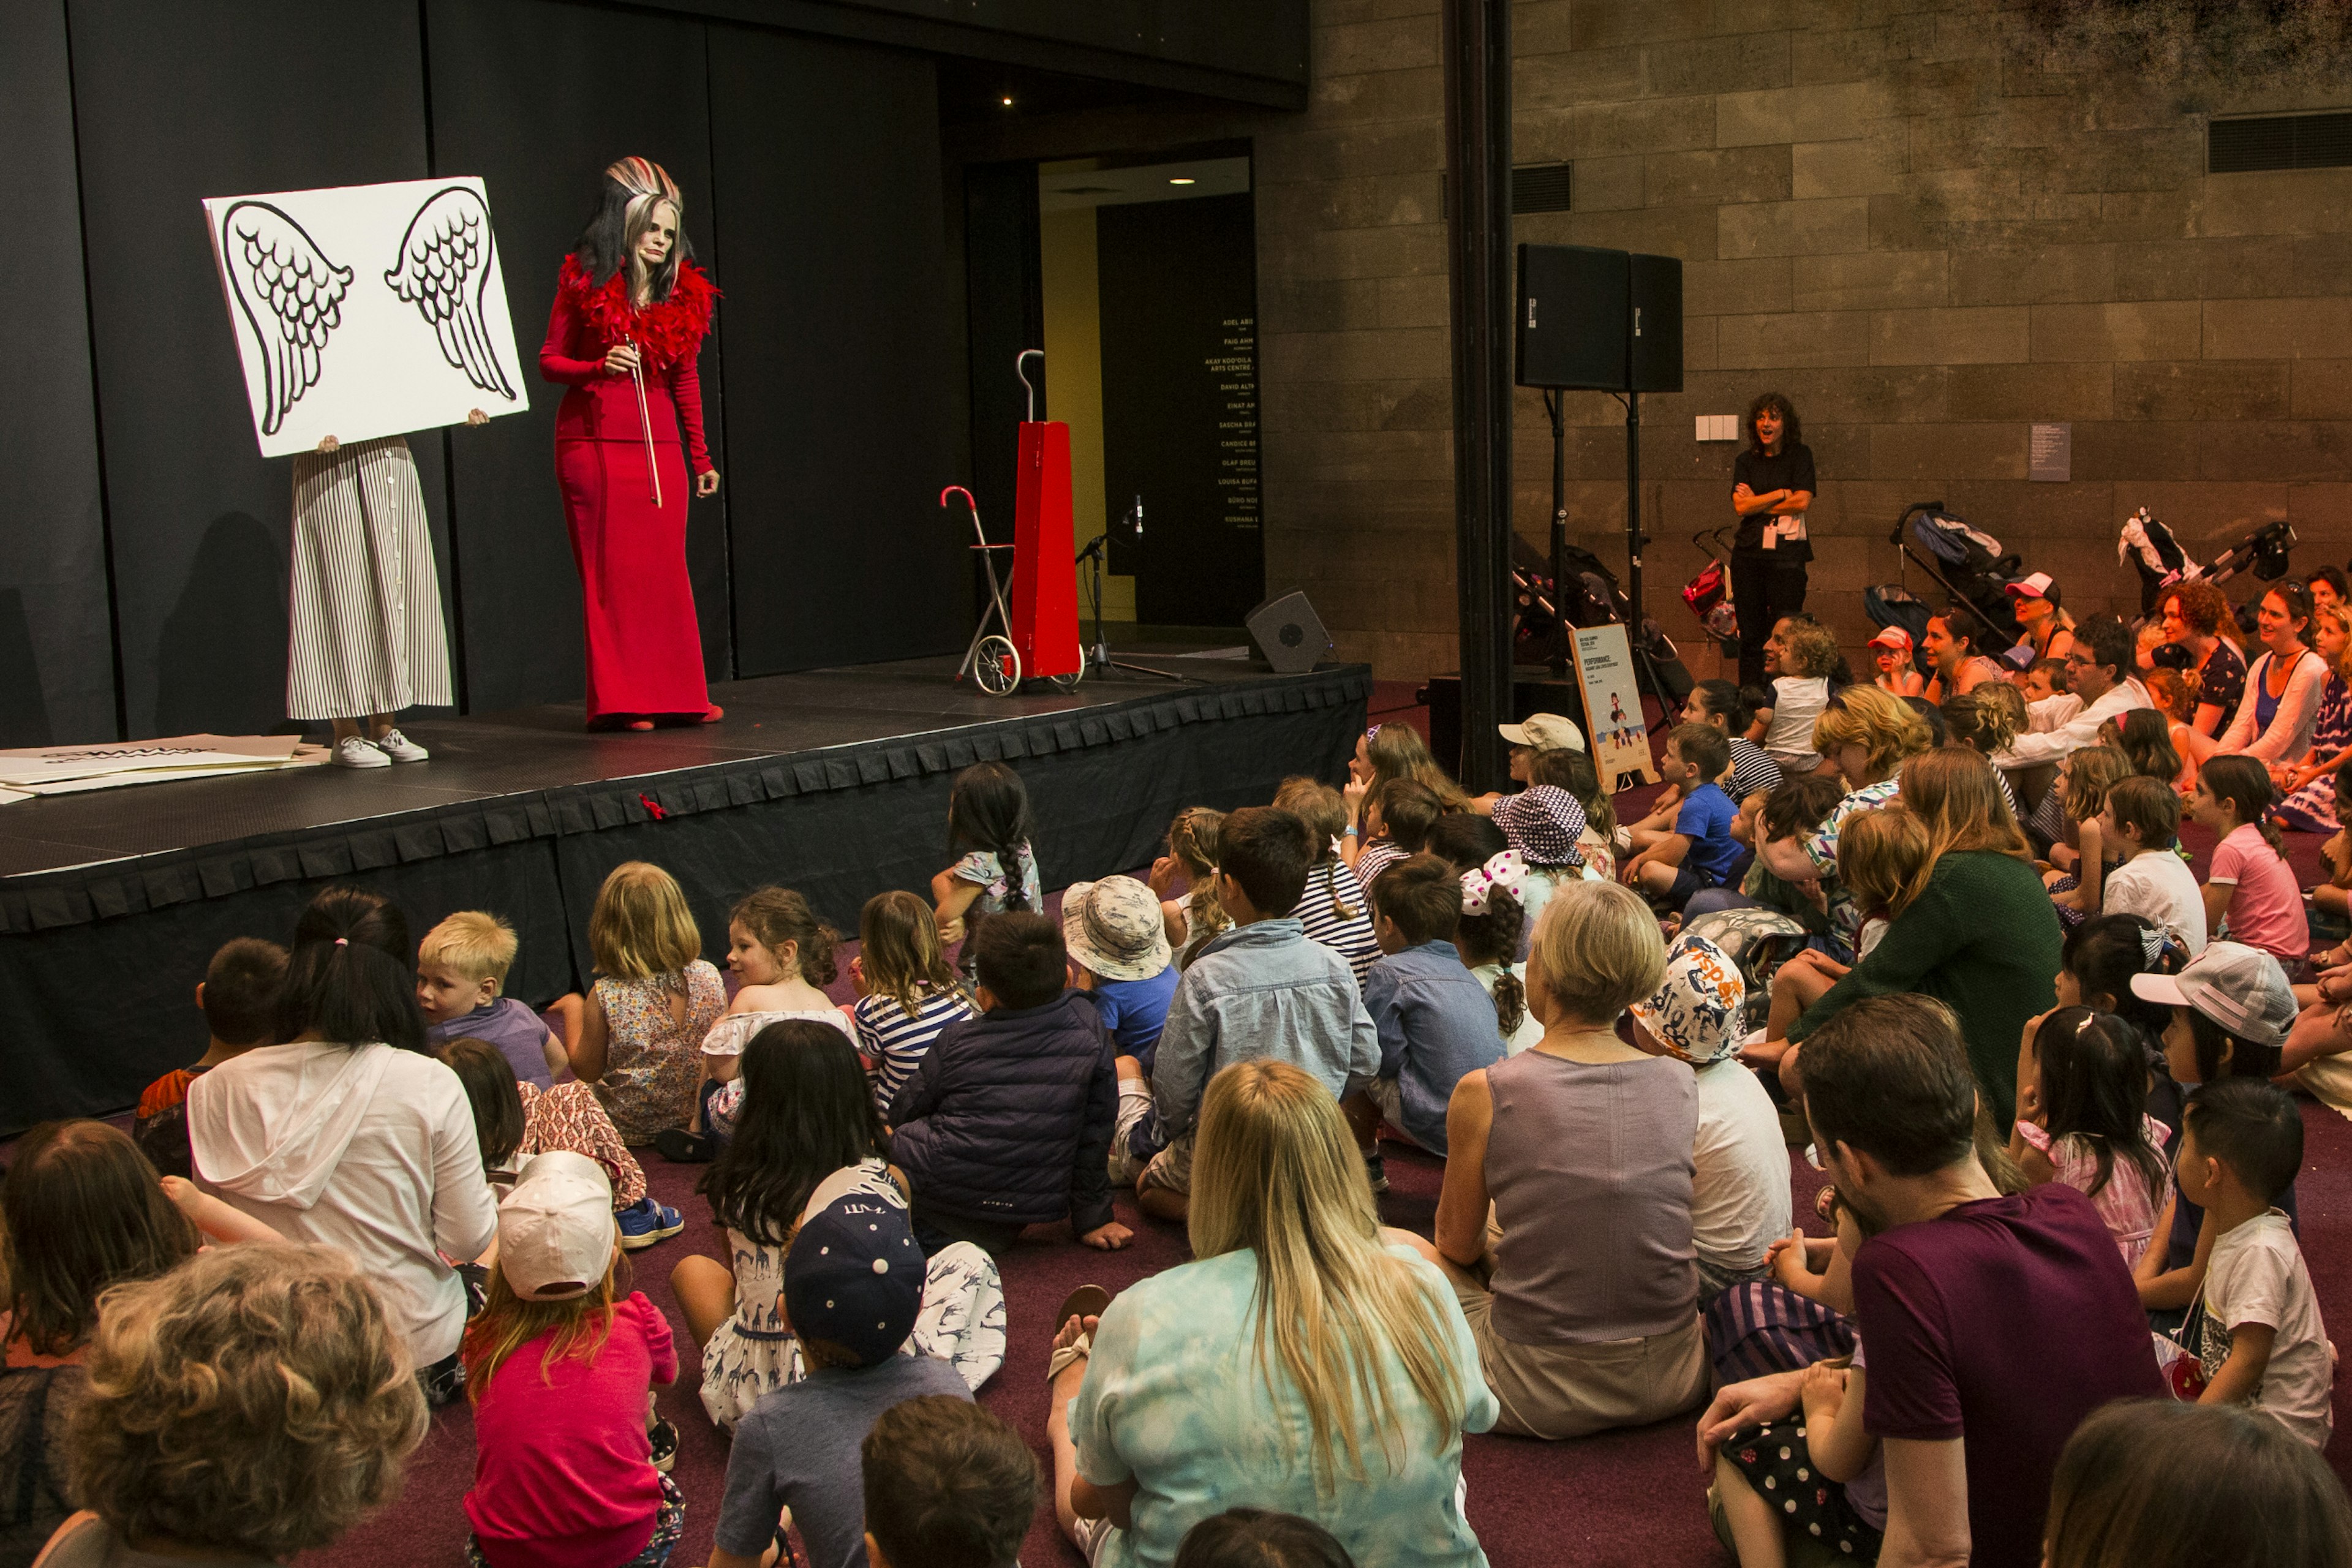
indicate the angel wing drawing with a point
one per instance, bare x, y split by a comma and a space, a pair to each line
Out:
291, 295
443, 269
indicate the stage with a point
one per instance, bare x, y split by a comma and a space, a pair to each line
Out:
833, 782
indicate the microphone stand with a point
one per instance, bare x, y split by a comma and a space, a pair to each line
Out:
1098, 661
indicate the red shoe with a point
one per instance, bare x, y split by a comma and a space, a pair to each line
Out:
714, 715
641, 723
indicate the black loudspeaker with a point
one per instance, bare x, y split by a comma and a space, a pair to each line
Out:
1290, 634
1575, 317
1655, 358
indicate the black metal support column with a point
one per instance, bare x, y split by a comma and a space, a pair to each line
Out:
1477, 46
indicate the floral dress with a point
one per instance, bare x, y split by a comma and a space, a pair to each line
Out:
2127, 1203
655, 1061
722, 1103
752, 1354
2312, 808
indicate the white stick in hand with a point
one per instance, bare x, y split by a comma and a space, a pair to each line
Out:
645, 423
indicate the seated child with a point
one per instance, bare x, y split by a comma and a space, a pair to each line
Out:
852, 1286
1007, 1120
2078, 862
1488, 941
1883, 860
1898, 672
1804, 654
1120, 957
461, 968
236, 996
988, 820
906, 992
2050, 699
781, 953
561, 1367
1596, 841
2139, 827
515, 1121
2250, 890
2082, 1088
1333, 908
2144, 735
1700, 852
1717, 703
1788, 878
1757, 1463
654, 1000
1259, 1538
1547, 823
1398, 816
1260, 989
1192, 844
1435, 1021
2262, 1341
948, 1485
1739, 1200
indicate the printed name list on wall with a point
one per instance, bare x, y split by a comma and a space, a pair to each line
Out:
1236, 372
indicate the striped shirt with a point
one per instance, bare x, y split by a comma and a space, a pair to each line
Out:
1335, 914
897, 1043
1752, 770
1374, 858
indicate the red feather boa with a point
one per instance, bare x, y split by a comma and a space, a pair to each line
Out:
669, 331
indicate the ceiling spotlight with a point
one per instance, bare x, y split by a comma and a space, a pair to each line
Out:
1007, 101
1181, 180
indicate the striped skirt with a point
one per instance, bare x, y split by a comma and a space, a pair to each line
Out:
363, 612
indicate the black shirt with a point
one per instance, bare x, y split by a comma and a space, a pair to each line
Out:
1792, 468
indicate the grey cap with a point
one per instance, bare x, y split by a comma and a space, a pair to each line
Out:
2242, 989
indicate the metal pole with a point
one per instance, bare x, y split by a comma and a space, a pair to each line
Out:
1554, 405
1477, 60
1634, 538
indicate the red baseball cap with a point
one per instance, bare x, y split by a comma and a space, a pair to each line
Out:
1893, 637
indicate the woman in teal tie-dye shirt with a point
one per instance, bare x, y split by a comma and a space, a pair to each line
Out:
1307, 1363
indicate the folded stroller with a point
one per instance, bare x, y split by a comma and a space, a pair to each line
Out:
2156, 555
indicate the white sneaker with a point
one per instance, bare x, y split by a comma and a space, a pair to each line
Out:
1623, 839
358, 751
400, 748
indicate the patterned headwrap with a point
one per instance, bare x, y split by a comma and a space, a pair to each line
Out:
1696, 1011
1543, 824
1506, 871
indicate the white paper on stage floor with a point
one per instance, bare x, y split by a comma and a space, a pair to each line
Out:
1612, 706
366, 310
106, 764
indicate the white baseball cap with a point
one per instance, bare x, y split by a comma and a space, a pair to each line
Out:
2242, 989
556, 1232
2035, 586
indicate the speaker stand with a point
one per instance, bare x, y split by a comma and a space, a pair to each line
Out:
1098, 661
1552, 400
1637, 630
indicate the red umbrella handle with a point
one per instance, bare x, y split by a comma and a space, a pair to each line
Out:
959, 491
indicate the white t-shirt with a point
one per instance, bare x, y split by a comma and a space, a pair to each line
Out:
1739, 1191
1797, 702
2257, 1276
2158, 883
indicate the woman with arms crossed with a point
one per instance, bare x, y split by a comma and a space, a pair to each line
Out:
1773, 484
631, 312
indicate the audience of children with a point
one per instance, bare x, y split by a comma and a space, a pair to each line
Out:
988, 821
2078, 862
654, 999
461, 975
238, 997
1224, 1085
1717, 703
906, 992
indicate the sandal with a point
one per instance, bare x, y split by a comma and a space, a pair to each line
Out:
1085, 1301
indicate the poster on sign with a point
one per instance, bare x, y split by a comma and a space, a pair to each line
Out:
365, 311
1613, 708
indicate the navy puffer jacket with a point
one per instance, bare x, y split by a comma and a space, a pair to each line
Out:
1009, 1117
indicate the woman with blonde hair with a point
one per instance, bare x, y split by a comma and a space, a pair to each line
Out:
1565, 1220
253, 1402
1869, 735
1307, 1360
1982, 937
654, 999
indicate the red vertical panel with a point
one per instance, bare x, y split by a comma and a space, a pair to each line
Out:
1044, 569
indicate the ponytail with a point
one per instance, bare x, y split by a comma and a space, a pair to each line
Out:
351, 974
1510, 1003
2245, 784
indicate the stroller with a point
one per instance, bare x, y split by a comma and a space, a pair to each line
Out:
2161, 561
1708, 594
1967, 564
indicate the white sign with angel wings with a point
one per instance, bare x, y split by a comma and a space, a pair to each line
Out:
366, 310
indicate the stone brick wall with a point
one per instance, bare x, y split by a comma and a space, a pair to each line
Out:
1899, 214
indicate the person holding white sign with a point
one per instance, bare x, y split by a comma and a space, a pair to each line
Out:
631, 312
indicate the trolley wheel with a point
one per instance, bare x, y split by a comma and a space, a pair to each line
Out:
996, 667
1065, 682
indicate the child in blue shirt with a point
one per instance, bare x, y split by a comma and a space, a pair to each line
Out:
1700, 852
1433, 1017
1117, 943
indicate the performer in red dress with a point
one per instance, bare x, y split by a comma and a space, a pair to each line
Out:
628, 300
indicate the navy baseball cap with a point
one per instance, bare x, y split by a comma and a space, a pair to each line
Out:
854, 1277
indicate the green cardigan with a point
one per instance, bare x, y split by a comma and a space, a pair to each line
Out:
1982, 938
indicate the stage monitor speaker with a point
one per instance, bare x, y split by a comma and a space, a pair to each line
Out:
1655, 353
1290, 634
1575, 317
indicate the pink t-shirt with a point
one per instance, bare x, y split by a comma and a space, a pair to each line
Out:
2266, 911
563, 1472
